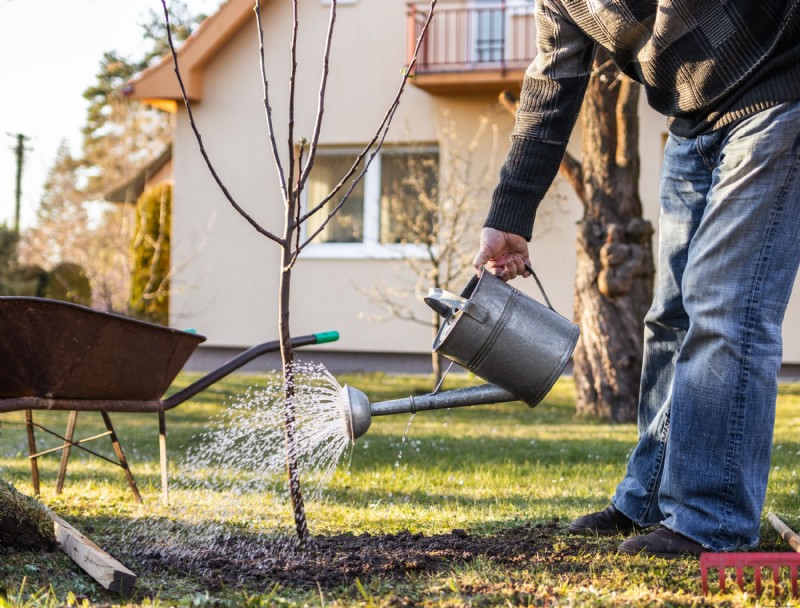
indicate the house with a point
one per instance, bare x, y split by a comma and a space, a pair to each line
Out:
226, 274
157, 171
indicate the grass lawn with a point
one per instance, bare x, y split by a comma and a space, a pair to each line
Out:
483, 470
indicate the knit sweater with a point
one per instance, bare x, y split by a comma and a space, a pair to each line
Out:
702, 63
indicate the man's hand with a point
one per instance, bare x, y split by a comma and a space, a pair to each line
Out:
504, 254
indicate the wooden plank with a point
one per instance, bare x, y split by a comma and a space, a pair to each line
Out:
98, 564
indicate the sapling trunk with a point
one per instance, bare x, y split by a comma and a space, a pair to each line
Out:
287, 359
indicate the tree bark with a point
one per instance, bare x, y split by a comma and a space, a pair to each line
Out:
287, 359
614, 274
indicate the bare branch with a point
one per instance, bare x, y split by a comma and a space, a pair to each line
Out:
312, 153
301, 148
377, 141
509, 101
203, 152
292, 92
572, 170
390, 300
267, 106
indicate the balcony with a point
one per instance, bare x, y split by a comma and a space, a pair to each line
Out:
473, 47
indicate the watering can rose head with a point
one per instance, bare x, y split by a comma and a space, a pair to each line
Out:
356, 412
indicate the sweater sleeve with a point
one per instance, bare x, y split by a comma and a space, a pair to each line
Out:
551, 97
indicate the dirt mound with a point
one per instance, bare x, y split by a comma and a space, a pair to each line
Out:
24, 522
330, 561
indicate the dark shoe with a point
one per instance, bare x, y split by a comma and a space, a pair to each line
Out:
603, 523
662, 542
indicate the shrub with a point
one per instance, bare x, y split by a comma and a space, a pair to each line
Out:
150, 258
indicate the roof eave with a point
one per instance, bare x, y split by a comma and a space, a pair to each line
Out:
159, 83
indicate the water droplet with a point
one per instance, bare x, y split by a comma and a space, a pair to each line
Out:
402, 443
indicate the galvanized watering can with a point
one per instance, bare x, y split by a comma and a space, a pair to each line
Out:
518, 345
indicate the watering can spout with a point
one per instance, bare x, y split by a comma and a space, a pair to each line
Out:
358, 411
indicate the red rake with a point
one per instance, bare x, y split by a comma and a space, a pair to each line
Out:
755, 561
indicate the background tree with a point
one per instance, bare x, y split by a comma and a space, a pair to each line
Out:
150, 263
433, 207
61, 231
65, 232
120, 137
614, 274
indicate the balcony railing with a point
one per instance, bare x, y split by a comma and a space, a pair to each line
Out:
477, 36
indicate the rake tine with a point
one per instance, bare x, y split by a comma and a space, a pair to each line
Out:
756, 561
704, 579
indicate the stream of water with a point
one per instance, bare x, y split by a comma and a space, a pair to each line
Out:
232, 481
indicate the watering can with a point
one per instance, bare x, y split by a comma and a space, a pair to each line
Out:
515, 343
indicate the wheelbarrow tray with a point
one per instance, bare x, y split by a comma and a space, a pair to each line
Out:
58, 350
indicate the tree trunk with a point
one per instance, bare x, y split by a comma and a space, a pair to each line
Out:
290, 426
614, 276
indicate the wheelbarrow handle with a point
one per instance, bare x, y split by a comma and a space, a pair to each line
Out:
238, 361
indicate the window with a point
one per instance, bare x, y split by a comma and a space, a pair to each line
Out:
392, 206
348, 224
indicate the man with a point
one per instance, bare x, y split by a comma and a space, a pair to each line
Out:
727, 74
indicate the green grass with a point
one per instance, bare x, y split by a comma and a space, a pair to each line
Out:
482, 469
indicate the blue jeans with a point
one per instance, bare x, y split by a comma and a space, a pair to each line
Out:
729, 249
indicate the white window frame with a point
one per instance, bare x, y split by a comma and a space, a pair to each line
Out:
370, 247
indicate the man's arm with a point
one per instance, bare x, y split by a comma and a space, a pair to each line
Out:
551, 97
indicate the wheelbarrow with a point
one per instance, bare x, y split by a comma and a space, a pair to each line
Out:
60, 356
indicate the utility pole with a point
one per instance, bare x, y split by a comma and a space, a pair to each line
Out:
19, 151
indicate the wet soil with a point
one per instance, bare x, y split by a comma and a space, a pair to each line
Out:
331, 561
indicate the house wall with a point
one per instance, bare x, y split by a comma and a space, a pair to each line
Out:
227, 274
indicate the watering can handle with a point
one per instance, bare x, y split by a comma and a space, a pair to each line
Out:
470, 287
443, 302
541, 288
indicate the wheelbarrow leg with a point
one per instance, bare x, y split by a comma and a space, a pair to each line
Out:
32, 451
121, 456
68, 435
162, 448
